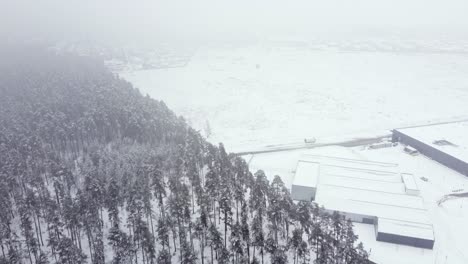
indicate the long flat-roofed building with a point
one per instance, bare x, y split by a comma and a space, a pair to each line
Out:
444, 143
367, 192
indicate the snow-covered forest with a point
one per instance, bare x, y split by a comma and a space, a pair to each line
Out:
92, 171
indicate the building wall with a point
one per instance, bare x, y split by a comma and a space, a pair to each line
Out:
358, 218
302, 193
431, 152
404, 240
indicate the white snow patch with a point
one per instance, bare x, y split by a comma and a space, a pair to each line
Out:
301, 92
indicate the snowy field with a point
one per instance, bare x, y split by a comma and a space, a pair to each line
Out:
278, 93
449, 219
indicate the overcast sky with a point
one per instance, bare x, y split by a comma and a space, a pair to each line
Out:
212, 18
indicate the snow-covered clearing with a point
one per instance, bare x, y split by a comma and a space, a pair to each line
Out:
272, 93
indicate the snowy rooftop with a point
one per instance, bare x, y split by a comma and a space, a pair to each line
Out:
306, 174
405, 228
371, 189
347, 162
449, 138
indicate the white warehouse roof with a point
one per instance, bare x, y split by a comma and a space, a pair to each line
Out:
451, 137
367, 189
306, 174
405, 228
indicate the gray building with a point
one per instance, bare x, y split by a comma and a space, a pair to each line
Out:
445, 143
304, 185
388, 230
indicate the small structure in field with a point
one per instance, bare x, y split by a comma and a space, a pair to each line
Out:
410, 150
381, 145
411, 187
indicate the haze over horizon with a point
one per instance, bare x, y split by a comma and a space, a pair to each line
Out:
123, 21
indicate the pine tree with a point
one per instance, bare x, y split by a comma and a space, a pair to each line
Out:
179, 202
296, 242
303, 253
98, 245
270, 245
255, 261
121, 244
279, 256
113, 201
164, 257
258, 204
200, 233
27, 230
14, 255
275, 210
42, 259
245, 229
224, 256
163, 234
214, 240
143, 235
145, 187
34, 206
189, 256
211, 187
6, 214
159, 185
288, 211
258, 199
360, 255
258, 237
241, 171
237, 243
303, 215
69, 253
225, 206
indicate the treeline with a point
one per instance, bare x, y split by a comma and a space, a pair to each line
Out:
91, 171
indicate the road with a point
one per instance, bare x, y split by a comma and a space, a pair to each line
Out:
346, 143
358, 141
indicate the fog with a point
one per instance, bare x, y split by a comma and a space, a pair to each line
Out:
120, 20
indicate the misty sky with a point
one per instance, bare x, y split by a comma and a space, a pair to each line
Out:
210, 18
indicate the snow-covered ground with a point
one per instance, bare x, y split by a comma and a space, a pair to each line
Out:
449, 219
277, 92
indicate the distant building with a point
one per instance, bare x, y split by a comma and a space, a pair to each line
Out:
367, 192
444, 143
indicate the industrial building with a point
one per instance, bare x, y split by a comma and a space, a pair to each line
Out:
369, 192
444, 143
304, 186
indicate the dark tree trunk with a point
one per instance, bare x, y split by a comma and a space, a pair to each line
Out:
225, 228
202, 249
90, 243
39, 240
211, 254
261, 251
237, 211
40, 230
